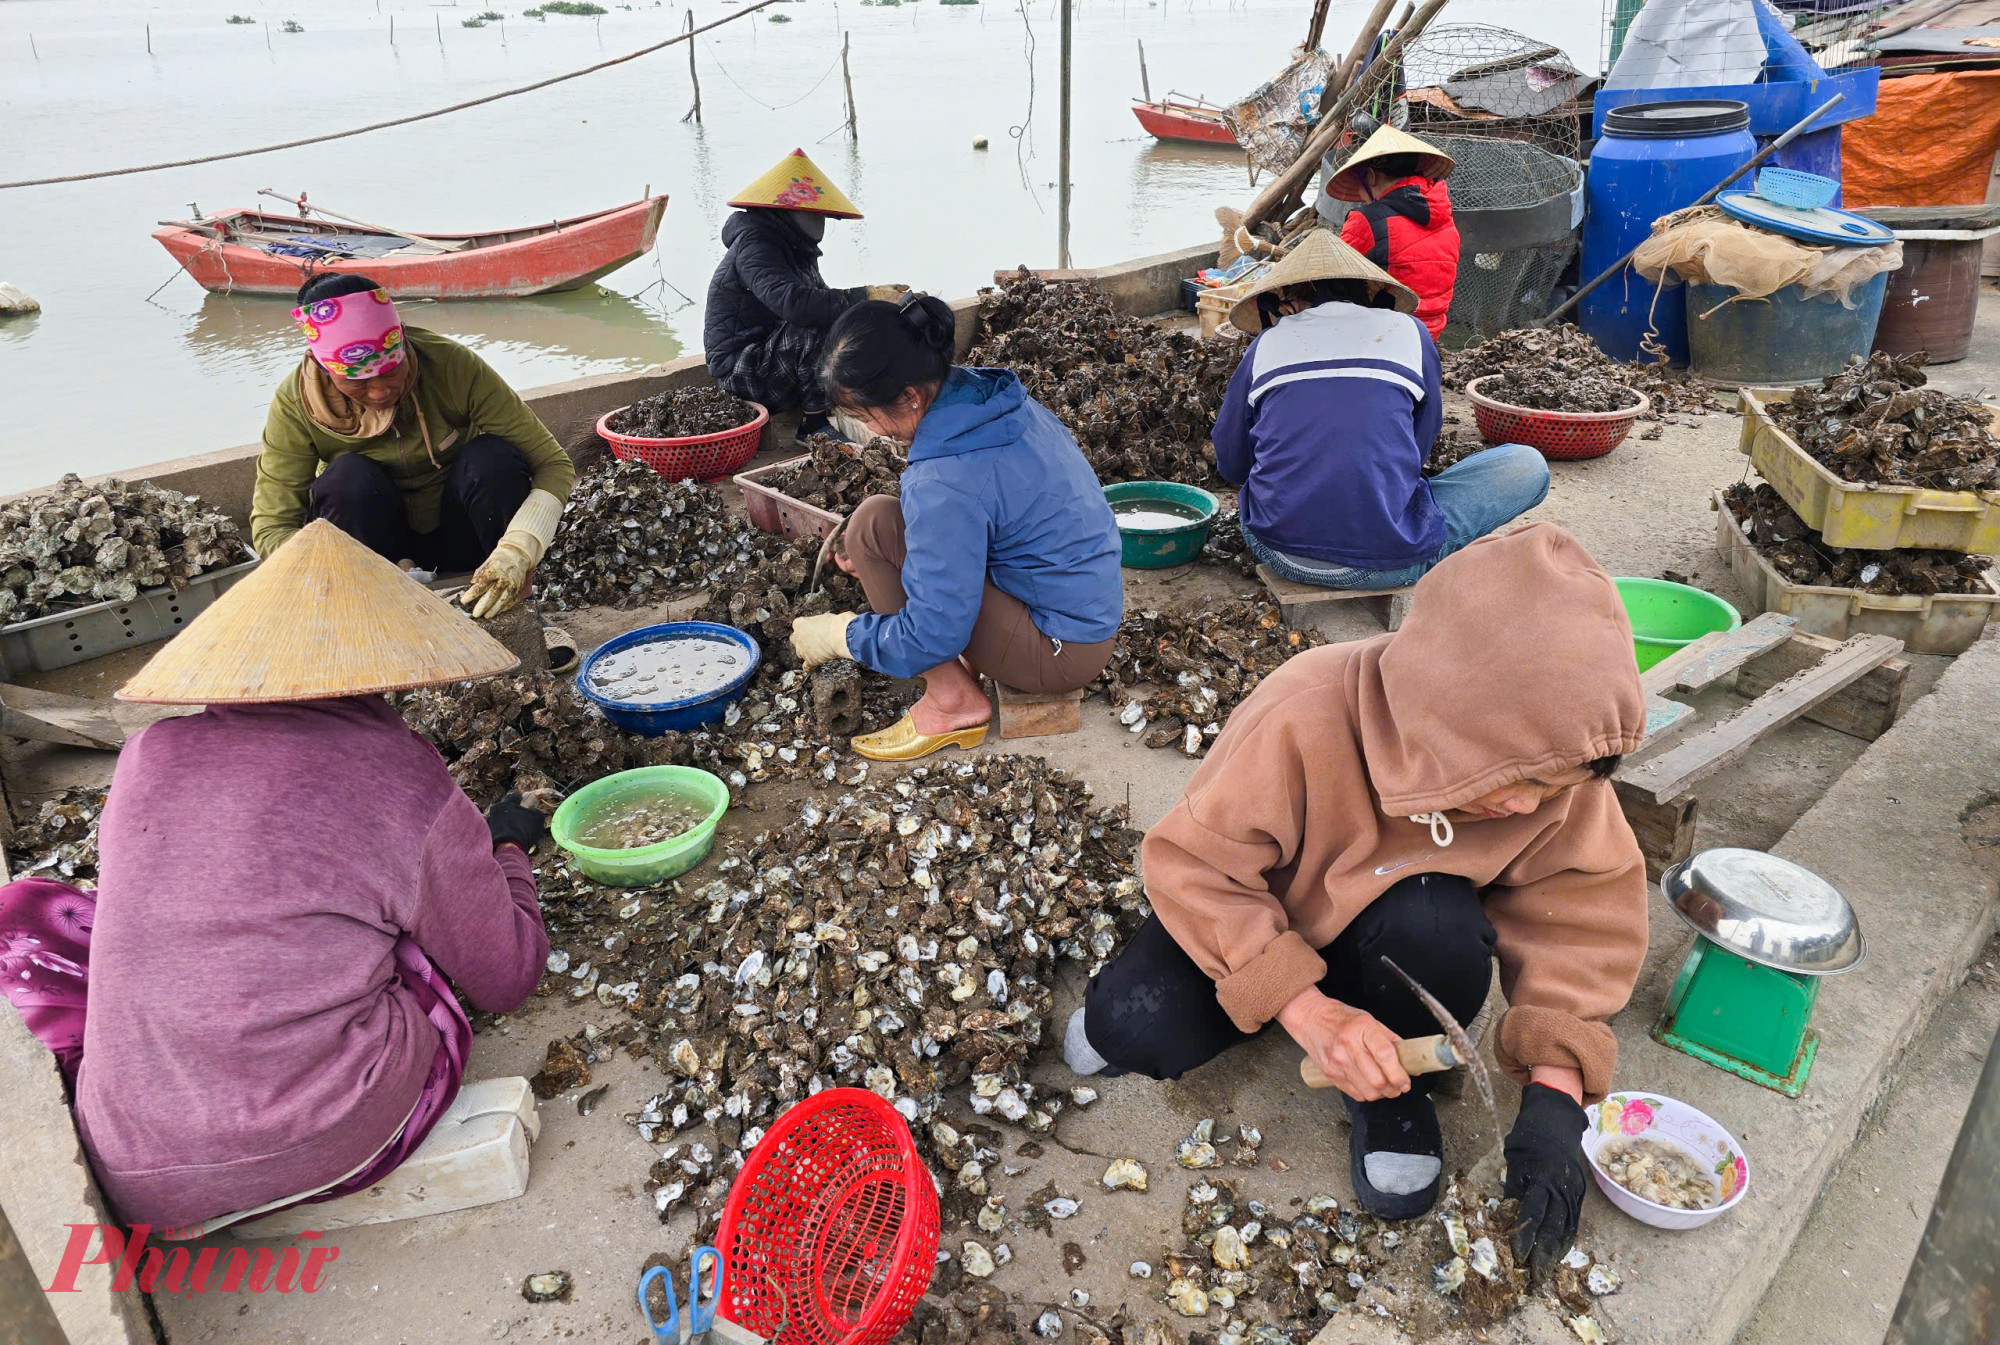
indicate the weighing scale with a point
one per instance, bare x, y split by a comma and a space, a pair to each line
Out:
1744, 997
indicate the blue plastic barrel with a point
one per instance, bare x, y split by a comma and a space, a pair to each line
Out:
1784, 338
1653, 159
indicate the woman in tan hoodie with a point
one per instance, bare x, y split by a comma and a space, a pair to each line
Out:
1438, 795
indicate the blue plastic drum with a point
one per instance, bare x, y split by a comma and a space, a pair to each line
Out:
1653, 159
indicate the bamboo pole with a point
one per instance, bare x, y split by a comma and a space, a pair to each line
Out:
694, 76
847, 78
1332, 125
1316, 28
1062, 185
1371, 27
1145, 84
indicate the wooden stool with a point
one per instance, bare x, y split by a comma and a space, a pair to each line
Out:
1296, 600
1036, 714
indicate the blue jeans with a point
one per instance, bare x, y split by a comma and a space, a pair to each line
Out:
1475, 495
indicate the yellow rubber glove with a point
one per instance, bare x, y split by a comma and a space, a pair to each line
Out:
497, 584
818, 639
894, 294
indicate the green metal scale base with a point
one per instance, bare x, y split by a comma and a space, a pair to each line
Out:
1748, 1019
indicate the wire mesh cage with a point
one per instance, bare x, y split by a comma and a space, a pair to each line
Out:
1516, 206
1473, 79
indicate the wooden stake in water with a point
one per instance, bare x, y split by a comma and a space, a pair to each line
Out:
847, 78
1145, 84
694, 77
32, 47
392, 30
440, 24
1062, 185
149, 39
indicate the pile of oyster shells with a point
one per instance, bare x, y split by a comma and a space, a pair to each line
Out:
80, 544
629, 538
60, 839
531, 732
837, 475
901, 937
1194, 665
1141, 399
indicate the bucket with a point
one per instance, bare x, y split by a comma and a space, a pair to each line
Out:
1933, 298
1780, 340
1652, 159
1666, 616
646, 864
1159, 548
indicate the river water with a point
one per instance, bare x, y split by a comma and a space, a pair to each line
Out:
107, 378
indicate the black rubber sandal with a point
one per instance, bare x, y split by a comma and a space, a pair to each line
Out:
1401, 1125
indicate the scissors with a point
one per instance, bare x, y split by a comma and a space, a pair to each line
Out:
701, 1311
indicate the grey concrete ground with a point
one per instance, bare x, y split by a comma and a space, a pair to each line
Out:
1642, 509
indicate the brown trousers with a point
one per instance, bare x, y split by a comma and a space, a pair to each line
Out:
1005, 645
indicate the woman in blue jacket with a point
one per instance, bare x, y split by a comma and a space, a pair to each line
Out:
1001, 557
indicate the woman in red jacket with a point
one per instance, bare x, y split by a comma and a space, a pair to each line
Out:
1403, 222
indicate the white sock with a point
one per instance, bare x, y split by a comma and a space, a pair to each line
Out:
1400, 1174
1077, 1050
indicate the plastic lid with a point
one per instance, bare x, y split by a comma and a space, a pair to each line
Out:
1673, 121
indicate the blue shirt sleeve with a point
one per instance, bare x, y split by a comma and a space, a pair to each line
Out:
948, 535
1231, 435
1430, 411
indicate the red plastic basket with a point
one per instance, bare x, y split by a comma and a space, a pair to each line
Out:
1557, 434
702, 456
830, 1231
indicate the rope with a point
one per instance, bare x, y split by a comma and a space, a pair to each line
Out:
398, 121
772, 107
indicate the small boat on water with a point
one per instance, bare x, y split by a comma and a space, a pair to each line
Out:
251, 251
1178, 118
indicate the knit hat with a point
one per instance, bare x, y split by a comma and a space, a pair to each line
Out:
323, 617
1317, 256
796, 183
1346, 184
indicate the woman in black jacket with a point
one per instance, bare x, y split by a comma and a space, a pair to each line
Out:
768, 308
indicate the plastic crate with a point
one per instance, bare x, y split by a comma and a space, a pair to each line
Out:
82, 633
704, 457
1568, 435
774, 511
1940, 623
1851, 514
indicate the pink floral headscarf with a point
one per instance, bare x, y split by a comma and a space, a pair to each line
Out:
353, 335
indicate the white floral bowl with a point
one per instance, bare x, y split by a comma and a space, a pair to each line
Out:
1635, 1115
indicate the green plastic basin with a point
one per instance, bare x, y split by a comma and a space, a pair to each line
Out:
1666, 616
645, 864
1159, 548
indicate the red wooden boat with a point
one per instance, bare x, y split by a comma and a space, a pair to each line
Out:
261, 252
1177, 119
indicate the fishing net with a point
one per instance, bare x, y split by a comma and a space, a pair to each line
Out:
1705, 246
1273, 121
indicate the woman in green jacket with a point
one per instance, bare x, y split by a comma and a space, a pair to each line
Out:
409, 443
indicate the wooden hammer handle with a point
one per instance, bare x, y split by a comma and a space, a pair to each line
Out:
1420, 1055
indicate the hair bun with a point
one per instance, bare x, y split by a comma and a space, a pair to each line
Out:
931, 319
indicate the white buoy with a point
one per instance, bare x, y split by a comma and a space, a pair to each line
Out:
14, 300
979, 142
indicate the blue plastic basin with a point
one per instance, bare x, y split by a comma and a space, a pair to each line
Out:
653, 718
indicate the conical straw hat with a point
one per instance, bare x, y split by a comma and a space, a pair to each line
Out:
1346, 184
323, 617
1317, 256
796, 183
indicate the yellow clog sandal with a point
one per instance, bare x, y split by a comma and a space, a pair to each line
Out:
901, 741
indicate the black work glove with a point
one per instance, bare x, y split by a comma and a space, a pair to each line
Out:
513, 823
1545, 1172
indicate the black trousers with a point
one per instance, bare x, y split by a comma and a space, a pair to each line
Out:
488, 480
1152, 1011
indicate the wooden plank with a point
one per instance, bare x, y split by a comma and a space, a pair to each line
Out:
47, 717
1036, 714
1866, 709
1665, 718
1294, 599
1665, 830
1675, 771
1700, 665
